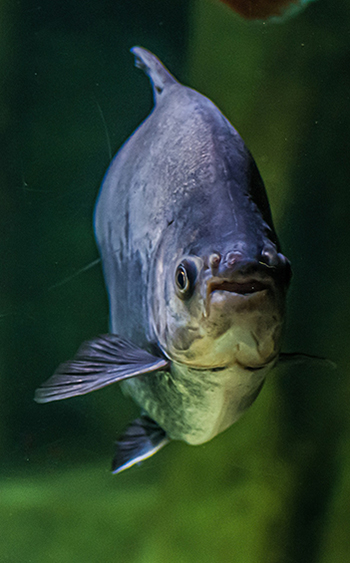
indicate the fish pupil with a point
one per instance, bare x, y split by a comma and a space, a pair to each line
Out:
181, 278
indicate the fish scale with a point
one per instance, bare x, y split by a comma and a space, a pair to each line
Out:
194, 273
200, 403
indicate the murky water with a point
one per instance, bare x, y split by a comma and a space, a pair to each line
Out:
274, 487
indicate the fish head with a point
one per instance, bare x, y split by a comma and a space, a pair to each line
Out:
216, 279
221, 305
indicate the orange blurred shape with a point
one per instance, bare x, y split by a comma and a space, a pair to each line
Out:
260, 9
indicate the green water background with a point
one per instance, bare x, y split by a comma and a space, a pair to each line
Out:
274, 488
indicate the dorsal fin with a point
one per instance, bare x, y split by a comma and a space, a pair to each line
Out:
159, 76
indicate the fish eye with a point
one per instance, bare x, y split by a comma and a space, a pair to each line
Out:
182, 280
185, 278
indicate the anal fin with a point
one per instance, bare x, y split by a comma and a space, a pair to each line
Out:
143, 438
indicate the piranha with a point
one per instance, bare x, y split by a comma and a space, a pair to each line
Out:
194, 272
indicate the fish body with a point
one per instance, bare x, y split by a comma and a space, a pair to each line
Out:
194, 273
195, 405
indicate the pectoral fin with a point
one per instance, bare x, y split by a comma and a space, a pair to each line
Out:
142, 439
296, 358
99, 362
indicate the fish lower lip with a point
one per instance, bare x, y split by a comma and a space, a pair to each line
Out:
242, 288
256, 368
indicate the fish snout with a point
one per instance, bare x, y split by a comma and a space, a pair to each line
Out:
277, 263
223, 264
240, 274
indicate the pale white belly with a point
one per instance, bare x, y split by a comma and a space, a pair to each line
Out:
194, 405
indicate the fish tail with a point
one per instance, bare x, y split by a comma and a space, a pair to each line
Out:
159, 76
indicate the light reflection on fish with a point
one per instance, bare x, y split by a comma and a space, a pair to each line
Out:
195, 277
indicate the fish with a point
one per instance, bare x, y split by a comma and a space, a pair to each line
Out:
194, 272
264, 9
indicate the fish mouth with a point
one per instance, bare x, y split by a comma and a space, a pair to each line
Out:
245, 287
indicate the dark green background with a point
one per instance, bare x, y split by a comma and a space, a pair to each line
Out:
274, 488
